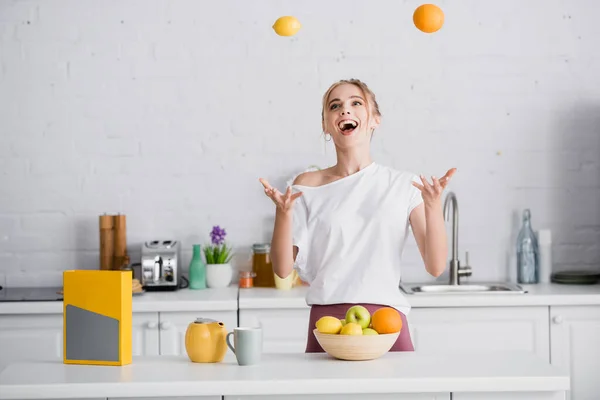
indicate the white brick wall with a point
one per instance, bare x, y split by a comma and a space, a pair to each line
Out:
169, 111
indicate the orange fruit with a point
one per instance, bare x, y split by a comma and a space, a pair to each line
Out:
428, 18
386, 320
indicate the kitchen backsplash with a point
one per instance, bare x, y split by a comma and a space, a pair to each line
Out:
170, 111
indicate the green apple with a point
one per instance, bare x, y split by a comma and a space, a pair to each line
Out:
369, 331
359, 315
343, 321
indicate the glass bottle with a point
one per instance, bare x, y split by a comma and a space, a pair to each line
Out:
261, 266
246, 279
527, 252
197, 269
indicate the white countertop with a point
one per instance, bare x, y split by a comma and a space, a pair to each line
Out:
409, 372
256, 298
537, 295
272, 298
180, 300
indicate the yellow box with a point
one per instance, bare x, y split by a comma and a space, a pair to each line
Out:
97, 317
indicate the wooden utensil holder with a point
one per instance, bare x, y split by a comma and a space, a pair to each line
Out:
113, 241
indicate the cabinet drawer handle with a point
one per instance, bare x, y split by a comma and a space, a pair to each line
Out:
151, 325
165, 325
557, 320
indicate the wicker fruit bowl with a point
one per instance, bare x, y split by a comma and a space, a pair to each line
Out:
356, 347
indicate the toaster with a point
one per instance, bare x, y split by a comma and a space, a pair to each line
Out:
160, 269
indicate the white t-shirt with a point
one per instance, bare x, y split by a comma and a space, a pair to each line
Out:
350, 235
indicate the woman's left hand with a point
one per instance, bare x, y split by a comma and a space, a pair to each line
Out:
432, 192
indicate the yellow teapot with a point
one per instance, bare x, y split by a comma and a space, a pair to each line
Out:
205, 341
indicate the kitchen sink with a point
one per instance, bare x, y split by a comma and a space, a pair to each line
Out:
474, 288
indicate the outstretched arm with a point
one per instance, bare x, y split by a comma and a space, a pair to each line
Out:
427, 221
283, 254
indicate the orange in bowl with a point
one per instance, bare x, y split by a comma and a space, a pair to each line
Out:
386, 320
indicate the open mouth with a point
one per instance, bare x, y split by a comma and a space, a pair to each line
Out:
347, 126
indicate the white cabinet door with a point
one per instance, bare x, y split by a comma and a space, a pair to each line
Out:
145, 337
284, 330
30, 337
472, 329
575, 346
173, 326
26, 337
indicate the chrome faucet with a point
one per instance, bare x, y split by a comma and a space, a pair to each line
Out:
455, 269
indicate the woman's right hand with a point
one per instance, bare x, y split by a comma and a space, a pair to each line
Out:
284, 202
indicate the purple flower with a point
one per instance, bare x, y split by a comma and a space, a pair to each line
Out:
217, 235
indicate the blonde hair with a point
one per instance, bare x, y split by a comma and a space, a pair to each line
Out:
369, 96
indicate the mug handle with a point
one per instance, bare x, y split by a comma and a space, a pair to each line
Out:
227, 339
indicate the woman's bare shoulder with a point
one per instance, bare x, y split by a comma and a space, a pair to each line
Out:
309, 178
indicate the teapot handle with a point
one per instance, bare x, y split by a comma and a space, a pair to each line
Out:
229, 342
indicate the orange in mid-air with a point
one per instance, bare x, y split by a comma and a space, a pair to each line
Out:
386, 320
428, 18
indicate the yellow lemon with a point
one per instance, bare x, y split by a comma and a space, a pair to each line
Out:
287, 26
330, 325
351, 328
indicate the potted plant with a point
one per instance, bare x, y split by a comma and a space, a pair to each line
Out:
218, 269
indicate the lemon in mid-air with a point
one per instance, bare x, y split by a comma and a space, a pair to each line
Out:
287, 26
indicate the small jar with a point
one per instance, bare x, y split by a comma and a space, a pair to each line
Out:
261, 265
246, 279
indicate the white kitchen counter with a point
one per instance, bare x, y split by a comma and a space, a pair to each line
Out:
286, 374
257, 298
272, 298
538, 295
180, 300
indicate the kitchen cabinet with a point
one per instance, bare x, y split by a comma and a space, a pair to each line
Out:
29, 337
284, 329
472, 329
575, 346
145, 334
164, 333
433, 330
25, 337
173, 325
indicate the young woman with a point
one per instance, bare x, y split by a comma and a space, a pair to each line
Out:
344, 228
